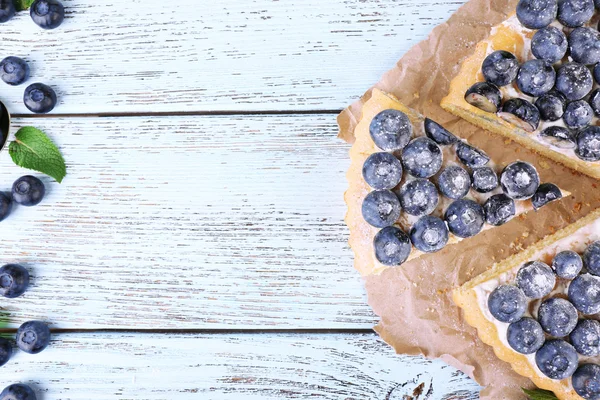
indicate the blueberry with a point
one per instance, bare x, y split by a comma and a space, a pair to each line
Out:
507, 303
575, 13
588, 144
578, 114
574, 81
525, 335
567, 264
454, 182
535, 279
438, 133
392, 246
39, 98
558, 136
471, 156
7, 10
391, 130
5, 205
28, 191
551, 105
557, 359
519, 180
33, 337
485, 96
17, 391
465, 218
549, 44
500, 68
597, 3
382, 171
586, 337
47, 14
521, 113
422, 158
429, 234
537, 14
557, 316
586, 381
595, 102
591, 258
597, 72
381, 208
584, 46
484, 179
418, 197
5, 351
499, 209
584, 293
546, 193
14, 280
536, 77
14, 70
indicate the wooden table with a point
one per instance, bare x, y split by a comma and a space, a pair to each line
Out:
197, 248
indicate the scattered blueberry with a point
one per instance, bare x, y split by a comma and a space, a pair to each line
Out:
28, 191
574, 81
391, 130
485, 96
546, 193
567, 264
588, 144
422, 157
17, 391
392, 246
47, 14
521, 113
438, 133
471, 156
586, 337
454, 182
597, 72
537, 14
33, 337
535, 279
519, 180
381, 208
525, 336
39, 98
586, 381
551, 105
14, 70
549, 44
558, 136
500, 68
557, 359
7, 10
584, 46
382, 171
5, 205
507, 303
14, 280
465, 218
484, 179
429, 234
584, 293
499, 209
5, 351
595, 102
536, 77
578, 114
418, 197
575, 13
591, 258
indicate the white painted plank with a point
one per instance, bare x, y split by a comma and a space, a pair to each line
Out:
244, 366
189, 222
205, 55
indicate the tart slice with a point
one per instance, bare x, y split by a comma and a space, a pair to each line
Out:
539, 310
533, 80
415, 188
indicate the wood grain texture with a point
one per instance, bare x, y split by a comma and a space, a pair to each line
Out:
240, 366
141, 56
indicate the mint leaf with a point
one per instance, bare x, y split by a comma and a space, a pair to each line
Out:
21, 5
539, 394
32, 149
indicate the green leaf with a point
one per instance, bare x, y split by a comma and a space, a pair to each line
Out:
539, 394
21, 5
32, 149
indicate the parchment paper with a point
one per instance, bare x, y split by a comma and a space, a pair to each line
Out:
413, 301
